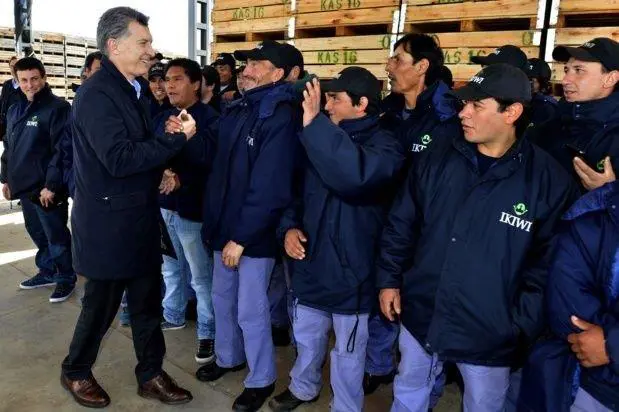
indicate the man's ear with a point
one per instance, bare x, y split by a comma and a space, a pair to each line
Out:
611, 79
514, 112
363, 105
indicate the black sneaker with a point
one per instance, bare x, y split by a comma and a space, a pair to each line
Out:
37, 281
206, 351
286, 401
62, 292
252, 398
213, 371
165, 325
281, 336
372, 382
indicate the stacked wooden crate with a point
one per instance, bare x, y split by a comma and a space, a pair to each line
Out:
7, 50
333, 34
467, 28
76, 50
574, 22
51, 52
235, 24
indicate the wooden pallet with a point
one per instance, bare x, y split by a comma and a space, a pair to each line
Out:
235, 20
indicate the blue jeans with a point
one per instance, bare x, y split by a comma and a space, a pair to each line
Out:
193, 261
48, 230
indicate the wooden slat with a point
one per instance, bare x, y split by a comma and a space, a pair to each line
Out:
429, 2
250, 13
75, 61
588, 6
376, 15
344, 42
73, 71
313, 6
346, 57
7, 43
235, 4
578, 36
52, 48
463, 71
463, 54
55, 70
56, 81
76, 50
262, 25
329, 71
518, 38
52, 59
232, 46
51, 37
498, 9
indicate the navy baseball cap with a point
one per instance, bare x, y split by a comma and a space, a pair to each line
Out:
225, 59
267, 50
508, 54
156, 70
600, 49
499, 81
355, 80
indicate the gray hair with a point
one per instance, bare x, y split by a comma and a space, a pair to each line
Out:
114, 24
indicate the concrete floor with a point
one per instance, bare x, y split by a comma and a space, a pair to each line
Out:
36, 334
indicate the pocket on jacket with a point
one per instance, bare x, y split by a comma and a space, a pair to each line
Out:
128, 201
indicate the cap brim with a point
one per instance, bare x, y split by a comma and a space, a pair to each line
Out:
332, 86
468, 93
244, 55
483, 60
563, 54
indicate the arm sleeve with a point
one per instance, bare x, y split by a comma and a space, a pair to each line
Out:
4, 160
270, 184
345, 167
399, 237
528, 310
105, 132
57, 129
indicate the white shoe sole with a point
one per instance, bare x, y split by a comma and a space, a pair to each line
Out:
22, 287
58, 300
174, 328
205, 361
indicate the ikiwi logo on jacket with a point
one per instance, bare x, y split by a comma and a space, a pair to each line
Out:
33, 122
517, 219
425, 140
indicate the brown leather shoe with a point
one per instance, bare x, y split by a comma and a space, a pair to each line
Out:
164, 389
86, 392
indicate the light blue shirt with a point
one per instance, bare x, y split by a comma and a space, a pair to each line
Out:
15, 84
138, 88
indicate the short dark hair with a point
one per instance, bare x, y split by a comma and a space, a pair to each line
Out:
114, 24
90, 59
30, 63
522, 123
211, 76
545, 86
373, 106
191, 68
421, 46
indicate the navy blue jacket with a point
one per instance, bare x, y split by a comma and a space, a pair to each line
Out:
583, 282
8, 96
346, 195
193, 163
434, 119
65, 150
470, 253
592, 127
118, 166
251, 181
30, 160
543, 108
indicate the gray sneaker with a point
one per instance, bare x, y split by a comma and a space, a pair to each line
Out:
165, 325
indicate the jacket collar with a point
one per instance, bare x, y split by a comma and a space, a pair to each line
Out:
602, 111
597, 200
506, 165
110, 68
360, 129
431, 99
41, 97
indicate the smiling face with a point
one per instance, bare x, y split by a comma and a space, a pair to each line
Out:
157, 87
586, 81
30, 82
340, 107
259, 73
133, 53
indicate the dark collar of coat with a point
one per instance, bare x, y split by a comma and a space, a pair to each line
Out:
431, 99
110, 68
359, 128
603, 111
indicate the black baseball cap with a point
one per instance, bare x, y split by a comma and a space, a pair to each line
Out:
355, 80
225, 59
267, 50
158, 56
600, 49
537, 68
499, 81
508, 54
293, 56
156, 70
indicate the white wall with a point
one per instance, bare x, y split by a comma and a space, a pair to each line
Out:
168, 18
